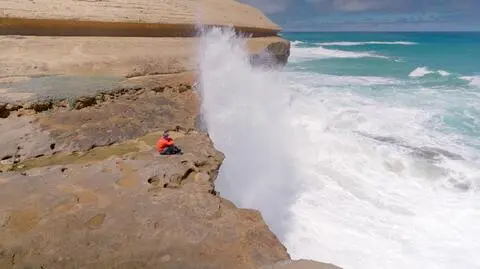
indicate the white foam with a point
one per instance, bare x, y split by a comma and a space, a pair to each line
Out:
299, 54
333, 80
294, 152
349, 43
420, 72
473, 80
443, 73
423, 71
296, 43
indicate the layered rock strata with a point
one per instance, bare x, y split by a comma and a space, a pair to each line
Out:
143, 18
86, 89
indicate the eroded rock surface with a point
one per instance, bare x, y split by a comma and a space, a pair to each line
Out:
131, 18
140, 210
107, 59
96, 121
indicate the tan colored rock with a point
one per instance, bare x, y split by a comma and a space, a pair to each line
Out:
130, 116
127, 18
109, 56
132, 38
111, 214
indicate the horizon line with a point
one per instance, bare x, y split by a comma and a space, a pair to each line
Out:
379, 31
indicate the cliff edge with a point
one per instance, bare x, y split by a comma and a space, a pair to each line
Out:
86, 89
132, 18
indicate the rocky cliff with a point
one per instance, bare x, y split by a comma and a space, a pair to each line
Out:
86, 89
120, 38
129, 18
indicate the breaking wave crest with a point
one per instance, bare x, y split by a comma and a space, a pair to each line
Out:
296, 43
298, 54
423, 71
473, 80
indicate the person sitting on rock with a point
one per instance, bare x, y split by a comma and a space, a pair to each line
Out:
166, 146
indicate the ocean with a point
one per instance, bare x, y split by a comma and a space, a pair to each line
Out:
363, 151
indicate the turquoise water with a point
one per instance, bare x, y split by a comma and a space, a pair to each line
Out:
363, 151
448, 68
456, 53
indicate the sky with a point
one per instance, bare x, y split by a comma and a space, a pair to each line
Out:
372, 15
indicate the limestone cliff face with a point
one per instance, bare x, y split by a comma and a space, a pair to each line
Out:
121, 38
111, 56
128, 18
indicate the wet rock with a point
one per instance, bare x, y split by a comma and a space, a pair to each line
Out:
275, 55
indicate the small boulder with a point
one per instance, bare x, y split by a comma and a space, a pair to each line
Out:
85, 101
4, 112
41, 106
183, 88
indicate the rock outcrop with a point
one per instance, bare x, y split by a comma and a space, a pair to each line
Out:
119, 57
86, 89
143, 18
137, 210
118, 38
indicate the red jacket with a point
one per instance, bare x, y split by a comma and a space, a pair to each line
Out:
162, 143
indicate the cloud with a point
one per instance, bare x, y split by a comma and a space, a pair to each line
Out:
363, 14
355, 5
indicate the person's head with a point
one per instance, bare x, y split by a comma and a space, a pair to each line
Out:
165, 135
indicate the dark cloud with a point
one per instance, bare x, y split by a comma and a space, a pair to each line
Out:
360, 14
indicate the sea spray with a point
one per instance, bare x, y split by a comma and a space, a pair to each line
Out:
342, 175
245, 113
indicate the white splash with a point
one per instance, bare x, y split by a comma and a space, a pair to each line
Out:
240, 115
296, 43
295, 151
